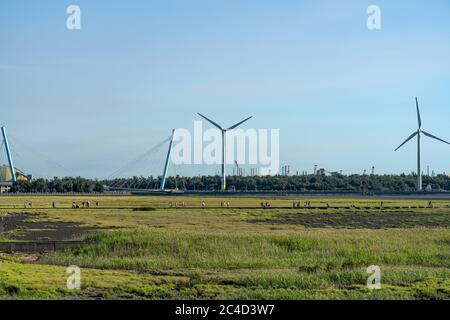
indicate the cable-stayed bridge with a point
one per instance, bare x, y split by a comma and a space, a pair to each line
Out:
15, 154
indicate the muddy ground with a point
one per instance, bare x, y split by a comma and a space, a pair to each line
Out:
23, 227
382, 220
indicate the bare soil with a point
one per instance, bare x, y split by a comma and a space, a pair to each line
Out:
23, 227
350, 220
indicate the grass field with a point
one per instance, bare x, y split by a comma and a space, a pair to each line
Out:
142, 248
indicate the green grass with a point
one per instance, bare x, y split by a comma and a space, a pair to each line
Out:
36, 281
143, 249
288, 267
152, 252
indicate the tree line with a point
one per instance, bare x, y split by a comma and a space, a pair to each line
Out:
303, 183
58, 185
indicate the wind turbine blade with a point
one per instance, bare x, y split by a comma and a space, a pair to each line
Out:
238, 124
210, 121
410, 137
418, 114
431, 136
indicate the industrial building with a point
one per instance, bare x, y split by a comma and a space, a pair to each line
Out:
9, 174
6, 177
6, 180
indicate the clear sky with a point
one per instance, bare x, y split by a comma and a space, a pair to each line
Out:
341, 95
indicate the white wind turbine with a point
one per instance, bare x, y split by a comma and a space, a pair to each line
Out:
223, 184
418, 133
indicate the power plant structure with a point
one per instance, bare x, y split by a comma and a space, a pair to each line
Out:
418, 133
253, 172
238, 171
223, 183
286, 171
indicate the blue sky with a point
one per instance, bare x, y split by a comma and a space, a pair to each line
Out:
341, 95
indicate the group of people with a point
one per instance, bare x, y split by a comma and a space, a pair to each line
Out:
307, 204
223, 204
265, 205
203, 204
84, 205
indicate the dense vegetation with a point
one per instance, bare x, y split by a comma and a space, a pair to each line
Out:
56, 185
305, 183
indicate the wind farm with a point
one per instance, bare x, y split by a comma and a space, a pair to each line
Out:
281, 244
224, 153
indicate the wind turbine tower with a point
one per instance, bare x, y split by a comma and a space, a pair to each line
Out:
418, 133
223, 183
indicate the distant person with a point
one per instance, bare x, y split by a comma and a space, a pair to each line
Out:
74, 205
203, 204
228, 204
53, 205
